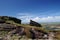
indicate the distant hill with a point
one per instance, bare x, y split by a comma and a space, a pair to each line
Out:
9, 19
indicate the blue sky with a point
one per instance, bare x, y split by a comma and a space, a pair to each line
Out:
37, 10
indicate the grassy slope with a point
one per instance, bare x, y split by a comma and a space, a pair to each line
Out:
27, 27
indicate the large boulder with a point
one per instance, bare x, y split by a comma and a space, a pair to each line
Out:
33, 23
8, 18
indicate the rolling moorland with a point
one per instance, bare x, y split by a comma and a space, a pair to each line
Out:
12, 22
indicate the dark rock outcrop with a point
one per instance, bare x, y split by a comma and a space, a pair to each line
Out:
8, 18
2, 21
15, 20
33, 23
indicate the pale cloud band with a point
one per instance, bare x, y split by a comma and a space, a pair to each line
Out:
26, 18
47, 19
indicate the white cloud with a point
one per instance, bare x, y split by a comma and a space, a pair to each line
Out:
47, 19
26, 18
36, 19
